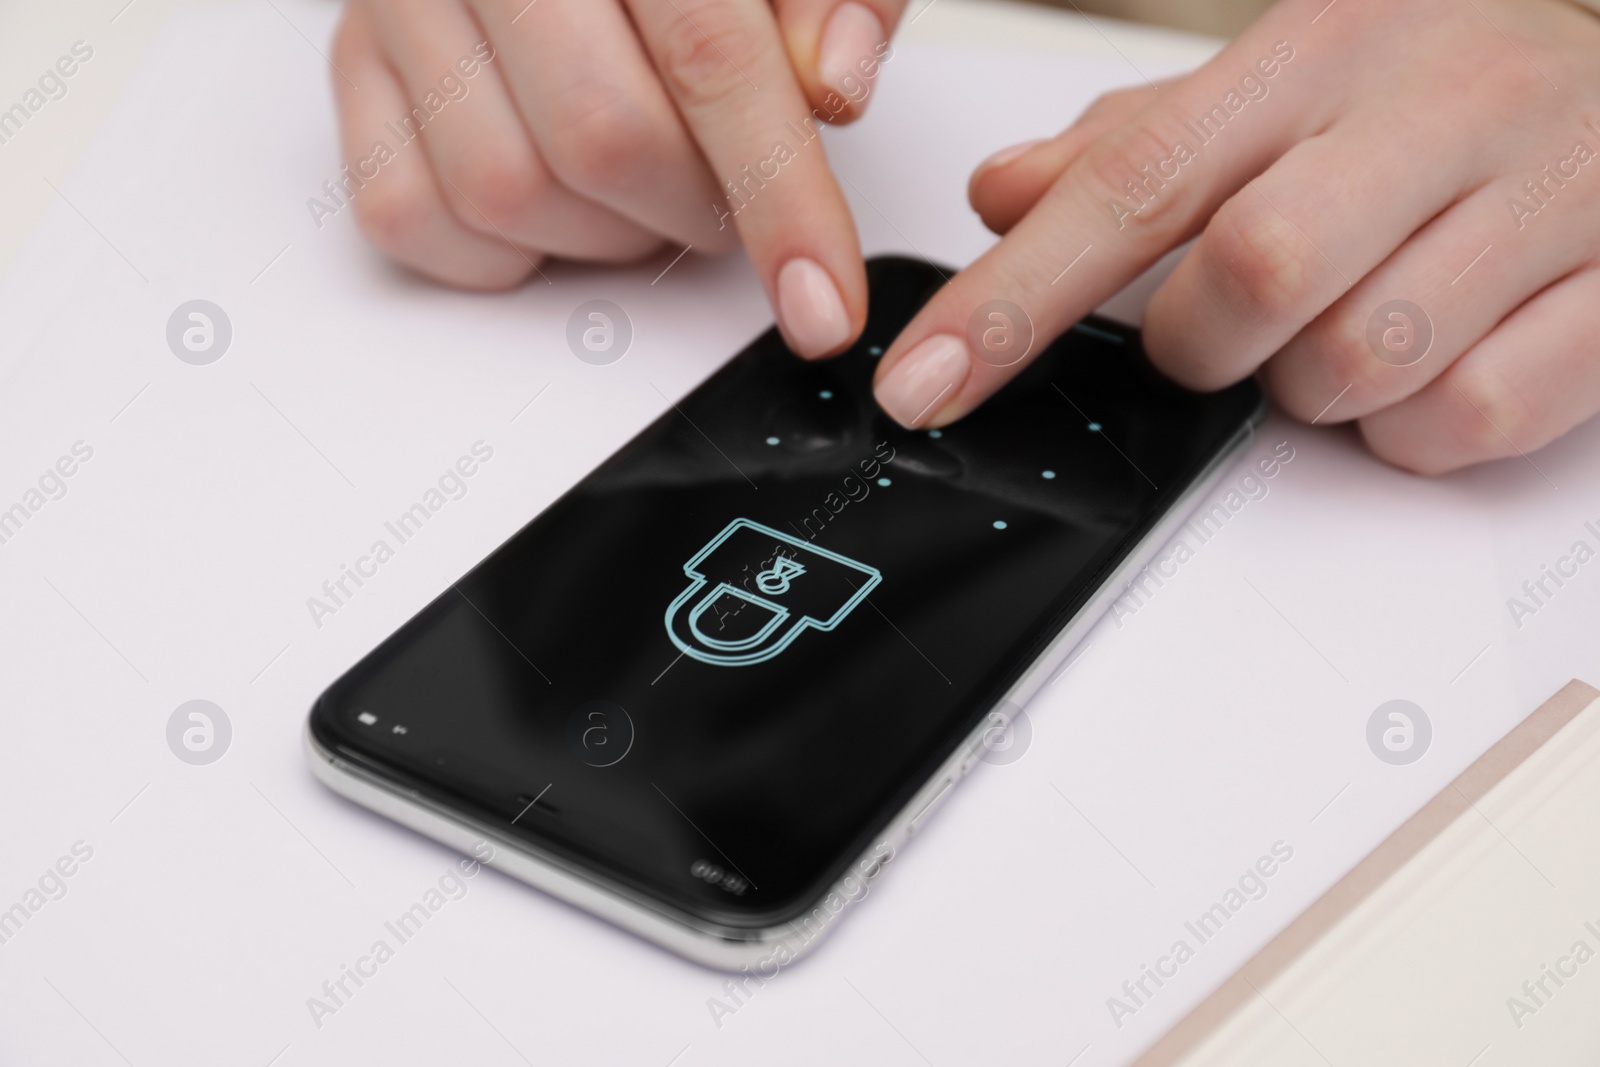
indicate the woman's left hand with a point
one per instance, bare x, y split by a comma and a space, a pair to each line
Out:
1398, 210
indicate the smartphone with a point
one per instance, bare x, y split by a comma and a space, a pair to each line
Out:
711, 691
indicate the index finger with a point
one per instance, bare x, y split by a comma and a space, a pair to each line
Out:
1123, 203
726, 67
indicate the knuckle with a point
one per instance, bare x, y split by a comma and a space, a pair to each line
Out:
1257, 262
1134, 173
599, 148
1336, 345
501, 189
1400, 450
393, 214
703, 53
1488, 418
402, 216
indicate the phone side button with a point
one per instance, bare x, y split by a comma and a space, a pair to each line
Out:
933, 802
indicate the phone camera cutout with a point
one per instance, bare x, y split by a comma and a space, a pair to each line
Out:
712, 874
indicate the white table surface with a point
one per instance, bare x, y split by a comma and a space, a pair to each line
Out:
1225, 715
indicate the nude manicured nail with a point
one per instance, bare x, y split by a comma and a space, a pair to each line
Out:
812, 311
925, 379
1006, 155
850, 41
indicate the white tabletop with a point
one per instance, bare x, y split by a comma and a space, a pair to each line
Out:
1218, 717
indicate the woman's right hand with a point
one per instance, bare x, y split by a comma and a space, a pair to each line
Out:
488, 134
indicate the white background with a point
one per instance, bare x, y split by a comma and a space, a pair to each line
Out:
1220, 718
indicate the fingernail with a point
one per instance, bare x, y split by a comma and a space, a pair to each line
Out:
851, 38
924, 380
1006, 155
813, 313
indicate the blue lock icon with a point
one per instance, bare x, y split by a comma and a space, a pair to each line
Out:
753, 590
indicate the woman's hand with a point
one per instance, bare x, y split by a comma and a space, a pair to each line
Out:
483, 135
1398, 210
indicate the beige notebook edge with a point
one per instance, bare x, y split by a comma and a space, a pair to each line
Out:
1383, 862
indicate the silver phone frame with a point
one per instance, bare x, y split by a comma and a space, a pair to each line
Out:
735, 948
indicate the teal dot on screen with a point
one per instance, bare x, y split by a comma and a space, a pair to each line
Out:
772, 440
1048, 474
935, 433
1094, 427
885, 482
999, 524
826, 394
875, 350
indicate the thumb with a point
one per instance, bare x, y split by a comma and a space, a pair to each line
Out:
838, 48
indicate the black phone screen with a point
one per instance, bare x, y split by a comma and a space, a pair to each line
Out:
716, 668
